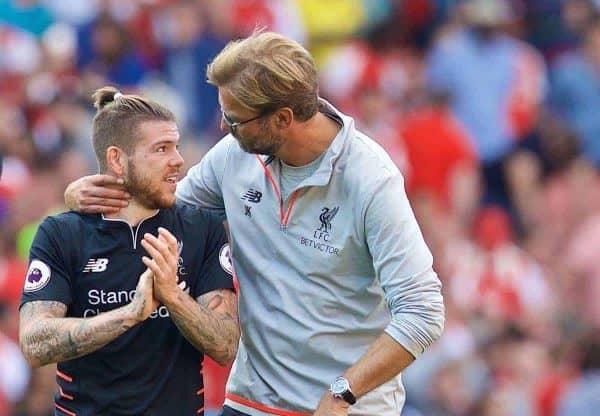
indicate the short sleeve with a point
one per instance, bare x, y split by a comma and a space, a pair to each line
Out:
216, 270
48, 275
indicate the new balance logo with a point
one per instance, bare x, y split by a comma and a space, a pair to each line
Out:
252, 195
95, 265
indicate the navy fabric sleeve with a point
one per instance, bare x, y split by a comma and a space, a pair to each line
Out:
216, 270
48, 276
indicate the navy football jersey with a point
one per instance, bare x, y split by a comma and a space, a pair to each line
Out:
92, 265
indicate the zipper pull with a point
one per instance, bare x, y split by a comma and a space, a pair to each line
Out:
283, 227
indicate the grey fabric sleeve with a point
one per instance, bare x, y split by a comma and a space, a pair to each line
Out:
202, 184
403, 264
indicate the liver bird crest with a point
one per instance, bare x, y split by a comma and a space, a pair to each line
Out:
327, 215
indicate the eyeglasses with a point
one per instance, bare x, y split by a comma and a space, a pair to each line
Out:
233, 125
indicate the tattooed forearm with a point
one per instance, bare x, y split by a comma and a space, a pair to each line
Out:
46, 336
211, 324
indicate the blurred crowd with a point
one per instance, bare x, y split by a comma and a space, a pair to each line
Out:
490, 108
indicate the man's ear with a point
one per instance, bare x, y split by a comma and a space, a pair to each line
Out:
284, 117
116, 161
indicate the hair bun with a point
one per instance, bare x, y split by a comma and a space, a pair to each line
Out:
105, 96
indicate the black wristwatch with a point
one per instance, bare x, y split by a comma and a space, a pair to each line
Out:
340, 388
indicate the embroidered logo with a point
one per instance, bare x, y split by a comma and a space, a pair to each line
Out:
180, 266
96, 265
327, 215
321, 237
247, 210
252, 195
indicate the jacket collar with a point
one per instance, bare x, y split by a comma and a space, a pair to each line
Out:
322, 175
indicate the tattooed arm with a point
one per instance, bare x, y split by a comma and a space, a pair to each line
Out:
210, 324
47, 336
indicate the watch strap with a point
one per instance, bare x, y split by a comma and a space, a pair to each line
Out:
348, 397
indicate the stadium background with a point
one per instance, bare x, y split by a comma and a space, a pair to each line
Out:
490, 108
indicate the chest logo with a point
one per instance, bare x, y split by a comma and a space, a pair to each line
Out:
96, 265
327, 215
252, 195
181, 271
321, 238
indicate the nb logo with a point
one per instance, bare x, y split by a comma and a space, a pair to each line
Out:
252, 195
95, 265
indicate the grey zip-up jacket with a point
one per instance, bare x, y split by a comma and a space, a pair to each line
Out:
322, 274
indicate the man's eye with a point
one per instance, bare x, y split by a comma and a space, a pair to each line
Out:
161, 149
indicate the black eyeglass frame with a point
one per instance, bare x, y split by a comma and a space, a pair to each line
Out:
233, 125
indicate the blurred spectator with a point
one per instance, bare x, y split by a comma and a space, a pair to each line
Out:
582, 261
185, 32
14, 371
329, 24
521, 283
20, 53
583, 398
73, 12
282, 16
39, 400
375, 116
454, 392
493, 278
107, 54
557, 26
30, 15
440, 156
495, 84
575, 93
12, 272
577, 15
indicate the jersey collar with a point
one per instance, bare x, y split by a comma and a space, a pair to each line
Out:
105, 223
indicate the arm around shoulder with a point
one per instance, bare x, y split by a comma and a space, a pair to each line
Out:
96, 194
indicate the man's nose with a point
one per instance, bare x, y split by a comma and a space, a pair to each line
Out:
178, 159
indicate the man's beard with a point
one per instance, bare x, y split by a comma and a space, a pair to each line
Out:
265, 143
142, 190
260, 149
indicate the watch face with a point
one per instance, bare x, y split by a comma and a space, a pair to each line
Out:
339, 386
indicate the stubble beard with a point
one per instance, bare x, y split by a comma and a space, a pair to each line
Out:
265, 143
144, 192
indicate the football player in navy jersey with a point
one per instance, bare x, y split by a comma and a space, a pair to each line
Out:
128, 303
